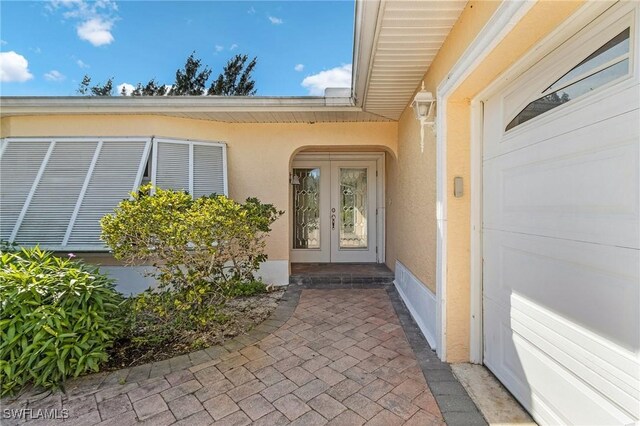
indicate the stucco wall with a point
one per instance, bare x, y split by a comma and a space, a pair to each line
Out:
542, 18
258, 154
411, 200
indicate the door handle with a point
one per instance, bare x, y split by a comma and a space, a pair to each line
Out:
333, 221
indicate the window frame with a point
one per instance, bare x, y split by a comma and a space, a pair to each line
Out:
567, 63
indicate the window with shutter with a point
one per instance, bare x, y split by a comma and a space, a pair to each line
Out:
54, 192
193, 166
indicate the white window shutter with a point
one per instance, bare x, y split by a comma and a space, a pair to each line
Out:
199, 168
114, 176
172, 165
208, 170
19, 167
54, 192
50, 210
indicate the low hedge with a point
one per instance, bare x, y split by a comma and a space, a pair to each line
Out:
58, 317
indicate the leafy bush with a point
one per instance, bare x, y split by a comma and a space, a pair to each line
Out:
58, 317
250, 288
201, 248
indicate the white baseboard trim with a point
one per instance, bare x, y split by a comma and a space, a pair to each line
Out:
135, 279
420, 301
131, 280
274, 272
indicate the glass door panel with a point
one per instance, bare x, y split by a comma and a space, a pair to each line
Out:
353, 208
310, 199
353, 211
306, 207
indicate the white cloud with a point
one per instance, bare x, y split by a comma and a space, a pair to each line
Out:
35, 50
335, 77
127, 87
82, 64
96, 31
275, 21
233, 46
2, 42
54, 75
14, 67
219, 48
251, 11
95, 18
299, 67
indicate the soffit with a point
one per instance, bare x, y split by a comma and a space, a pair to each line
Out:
409, 34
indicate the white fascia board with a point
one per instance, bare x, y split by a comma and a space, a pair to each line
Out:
179, 104
366, 28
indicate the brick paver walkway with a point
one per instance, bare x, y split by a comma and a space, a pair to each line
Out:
342, 358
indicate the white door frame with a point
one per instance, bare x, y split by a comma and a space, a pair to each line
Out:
379, 158
572, 25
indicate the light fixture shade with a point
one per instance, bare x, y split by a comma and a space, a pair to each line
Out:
423, 104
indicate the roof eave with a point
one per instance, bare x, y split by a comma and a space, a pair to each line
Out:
178, 104
367, 14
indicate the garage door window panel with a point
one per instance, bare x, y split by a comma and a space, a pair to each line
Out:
607, 64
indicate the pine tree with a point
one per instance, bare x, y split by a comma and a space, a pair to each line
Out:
154, 89
83, 88
235, 79
190, 80
104, 90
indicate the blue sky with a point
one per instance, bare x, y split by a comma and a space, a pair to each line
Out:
48, 46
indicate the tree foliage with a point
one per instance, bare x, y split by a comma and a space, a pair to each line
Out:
235, 80
85, 88
206, 245
152, 88
191, 80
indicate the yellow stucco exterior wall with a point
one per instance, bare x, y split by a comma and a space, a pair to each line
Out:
541, 19
258, 155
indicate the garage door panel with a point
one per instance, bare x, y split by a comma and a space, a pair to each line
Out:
583, 185
500, 352
539, 370
578, 351
550, 385
581, 282
572, 116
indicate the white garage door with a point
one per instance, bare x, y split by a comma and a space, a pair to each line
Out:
561, 202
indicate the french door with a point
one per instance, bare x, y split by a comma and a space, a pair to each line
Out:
334, 211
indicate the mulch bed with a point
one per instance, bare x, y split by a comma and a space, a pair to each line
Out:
241, 315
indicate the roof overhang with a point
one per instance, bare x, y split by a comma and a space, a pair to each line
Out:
396, 42
254, 109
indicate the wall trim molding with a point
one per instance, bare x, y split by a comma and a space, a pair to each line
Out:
504, 19
420, 301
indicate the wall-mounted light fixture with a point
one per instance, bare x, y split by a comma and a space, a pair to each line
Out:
423, 105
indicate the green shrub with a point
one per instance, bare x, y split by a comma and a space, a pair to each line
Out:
58, 317
200, 247
245, 289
